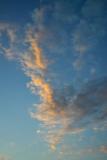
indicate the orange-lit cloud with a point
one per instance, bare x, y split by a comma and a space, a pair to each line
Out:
37, 53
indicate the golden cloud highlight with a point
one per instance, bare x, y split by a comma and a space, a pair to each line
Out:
35, 67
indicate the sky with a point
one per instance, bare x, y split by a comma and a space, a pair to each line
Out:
53, 80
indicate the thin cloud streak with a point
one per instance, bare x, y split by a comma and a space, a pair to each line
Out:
8, 31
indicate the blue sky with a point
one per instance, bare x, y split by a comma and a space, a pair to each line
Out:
53, 83
17, 11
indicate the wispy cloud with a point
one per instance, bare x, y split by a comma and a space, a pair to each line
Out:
69, 113
59, 29
8, 40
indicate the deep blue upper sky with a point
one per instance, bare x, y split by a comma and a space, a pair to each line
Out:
17, 11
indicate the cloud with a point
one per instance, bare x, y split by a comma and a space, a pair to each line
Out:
65, 28
8, 40
90, 30
2, 157
57, 29
74, 112
91, 27
82, 152
61, 28
78, 63
91, 101
103, 149
35, 59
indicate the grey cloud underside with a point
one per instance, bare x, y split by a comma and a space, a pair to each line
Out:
86, 108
